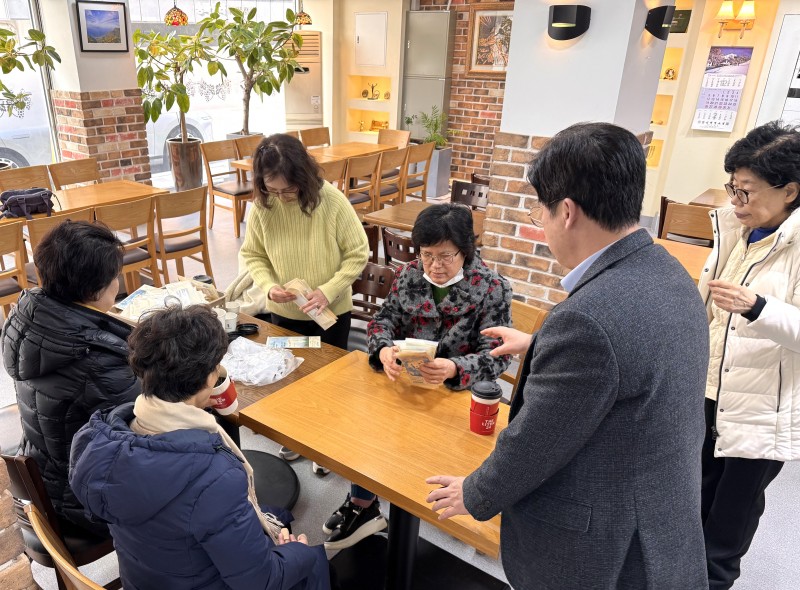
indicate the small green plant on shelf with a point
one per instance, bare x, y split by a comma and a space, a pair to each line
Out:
435, 124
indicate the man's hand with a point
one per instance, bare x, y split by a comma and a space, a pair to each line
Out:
732, 297
280, 295
450, 496
388, 356
514, 341
438, 370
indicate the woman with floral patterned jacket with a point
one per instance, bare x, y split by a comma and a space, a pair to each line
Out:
448, 295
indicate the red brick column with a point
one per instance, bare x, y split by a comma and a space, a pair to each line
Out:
106, 125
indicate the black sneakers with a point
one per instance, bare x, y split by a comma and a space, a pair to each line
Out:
351, 523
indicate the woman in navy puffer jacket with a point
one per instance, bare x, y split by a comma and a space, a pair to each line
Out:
175, 490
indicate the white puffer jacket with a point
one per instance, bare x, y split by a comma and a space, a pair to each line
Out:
758, 411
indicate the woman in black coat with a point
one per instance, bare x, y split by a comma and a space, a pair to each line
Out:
67, 356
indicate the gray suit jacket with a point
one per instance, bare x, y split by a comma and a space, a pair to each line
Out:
598, 472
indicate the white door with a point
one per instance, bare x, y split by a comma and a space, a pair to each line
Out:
370, 38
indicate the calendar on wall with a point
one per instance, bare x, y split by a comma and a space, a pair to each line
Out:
723, 81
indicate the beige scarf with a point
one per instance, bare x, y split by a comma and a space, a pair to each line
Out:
156, 416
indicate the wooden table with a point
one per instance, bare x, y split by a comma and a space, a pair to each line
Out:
692, 257
332, 153
105, 193
713, 197
404, 215
387, 437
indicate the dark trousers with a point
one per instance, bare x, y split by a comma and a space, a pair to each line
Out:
732, 503
336, 335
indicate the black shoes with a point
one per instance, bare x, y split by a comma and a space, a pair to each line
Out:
350, 524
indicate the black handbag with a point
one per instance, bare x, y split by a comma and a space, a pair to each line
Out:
26, 202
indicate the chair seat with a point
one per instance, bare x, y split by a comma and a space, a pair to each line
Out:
81, 544
9, 287
135, 255
178, 244
414, 182
30, 272
234, 187
275, 481
389, 190
391, 173
357, 198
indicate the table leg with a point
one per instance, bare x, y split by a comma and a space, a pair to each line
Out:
403, 535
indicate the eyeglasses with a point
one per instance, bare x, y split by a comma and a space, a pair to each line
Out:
743, 195
287, 192
535, 215
447, 258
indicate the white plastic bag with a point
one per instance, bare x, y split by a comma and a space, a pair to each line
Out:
254, 364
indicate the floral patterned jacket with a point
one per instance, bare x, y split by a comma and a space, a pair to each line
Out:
480, 300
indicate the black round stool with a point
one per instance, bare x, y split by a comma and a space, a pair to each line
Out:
276, 482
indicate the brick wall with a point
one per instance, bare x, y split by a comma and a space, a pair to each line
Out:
476, 104
106, 125
15, 569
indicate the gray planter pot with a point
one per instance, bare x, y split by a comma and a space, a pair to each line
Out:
439, 175
238, 135
187, 163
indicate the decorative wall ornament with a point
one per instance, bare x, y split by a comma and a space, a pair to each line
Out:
489, 39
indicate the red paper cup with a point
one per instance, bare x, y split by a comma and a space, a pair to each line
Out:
483, 407
485, 398
482, 424
224, 395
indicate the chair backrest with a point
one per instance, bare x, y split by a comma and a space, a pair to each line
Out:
74, 172
363, 176
216, 151
374, 283
398, 137
27, 177
418, 154
246, 146
13, 242
397, 249
333, 172
393, 159
316, 136
473, 195
27, 486
476, 178
421, 152
72, 578
181, 204
125, 216
528, 319
295, 134
687, 223
373, 239
39, 226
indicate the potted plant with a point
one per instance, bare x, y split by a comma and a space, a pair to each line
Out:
264, 53
435, 125
35, 52
162, 63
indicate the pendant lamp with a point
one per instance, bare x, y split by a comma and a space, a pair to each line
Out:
176, 17
302, 18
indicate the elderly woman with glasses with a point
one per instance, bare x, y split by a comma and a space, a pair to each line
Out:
448, 295
751, 285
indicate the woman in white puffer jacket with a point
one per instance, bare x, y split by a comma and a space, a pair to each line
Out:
751, 285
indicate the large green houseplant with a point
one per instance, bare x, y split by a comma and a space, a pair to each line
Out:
162, 63
435, 125
264, 52
13, 56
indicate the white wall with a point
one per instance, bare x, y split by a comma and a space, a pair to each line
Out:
608, 74
323, 16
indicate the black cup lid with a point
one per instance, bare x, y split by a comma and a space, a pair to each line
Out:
487, 390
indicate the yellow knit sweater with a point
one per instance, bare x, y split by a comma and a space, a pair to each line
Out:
328, 249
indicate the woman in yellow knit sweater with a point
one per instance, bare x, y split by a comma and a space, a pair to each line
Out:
302, 227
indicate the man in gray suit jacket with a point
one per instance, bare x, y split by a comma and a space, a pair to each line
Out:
598, 472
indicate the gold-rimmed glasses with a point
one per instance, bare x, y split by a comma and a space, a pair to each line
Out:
445, 258
744, 195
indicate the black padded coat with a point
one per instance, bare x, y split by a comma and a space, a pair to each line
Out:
67, 361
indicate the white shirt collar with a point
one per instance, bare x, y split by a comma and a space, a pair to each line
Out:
574, 276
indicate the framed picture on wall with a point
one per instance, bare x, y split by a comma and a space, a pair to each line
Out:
489, 39
102, 26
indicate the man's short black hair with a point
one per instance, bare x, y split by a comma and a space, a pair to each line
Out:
174, 350
77, 260
448, 221
771, 152
600, 166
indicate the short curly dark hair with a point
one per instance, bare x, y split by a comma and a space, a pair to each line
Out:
284, 155
174, 350
771, 152
77, 260
440, 223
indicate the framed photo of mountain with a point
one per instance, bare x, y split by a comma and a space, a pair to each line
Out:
103, 26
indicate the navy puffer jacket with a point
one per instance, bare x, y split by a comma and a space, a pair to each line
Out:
177, 507
67, 361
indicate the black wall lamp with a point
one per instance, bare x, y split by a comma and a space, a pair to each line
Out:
568, 21
659, 21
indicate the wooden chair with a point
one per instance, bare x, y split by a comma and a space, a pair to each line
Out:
235, 190
183, 242
397, 249
68, 572
373, 239
295, 134
528, 319
38, 228
419, 155
475, 196
398, 137
374, 284
27, 177
361, 180
12, 280
27, 487
315, 137
74, 172
246, 146
333, 172
140, 252
476, 178
687, 223
392, 175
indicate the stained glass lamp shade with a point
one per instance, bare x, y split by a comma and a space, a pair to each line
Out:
176, 17
302, 17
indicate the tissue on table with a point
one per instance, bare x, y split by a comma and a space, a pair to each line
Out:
254, 364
